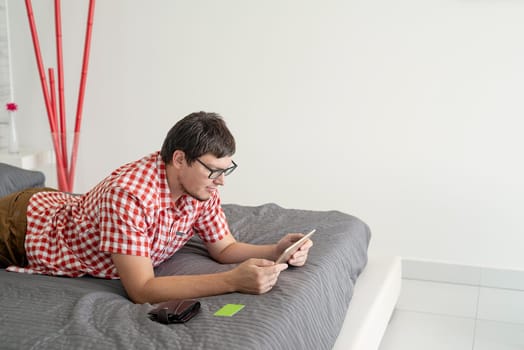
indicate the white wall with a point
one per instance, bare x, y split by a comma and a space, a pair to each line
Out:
407, 114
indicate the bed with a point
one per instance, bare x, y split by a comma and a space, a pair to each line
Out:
341, 299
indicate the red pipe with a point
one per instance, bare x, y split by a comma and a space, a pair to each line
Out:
38, 54
62, 178
51, 74
81, 91
52, 88
60, 66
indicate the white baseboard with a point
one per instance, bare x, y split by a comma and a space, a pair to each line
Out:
462, 274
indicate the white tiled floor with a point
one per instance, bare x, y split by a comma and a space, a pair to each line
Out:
446, 316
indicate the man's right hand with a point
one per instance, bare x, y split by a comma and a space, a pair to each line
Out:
255, 276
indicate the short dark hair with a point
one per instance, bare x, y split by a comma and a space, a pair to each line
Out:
197, 134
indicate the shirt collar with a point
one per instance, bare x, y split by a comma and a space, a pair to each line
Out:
163, 186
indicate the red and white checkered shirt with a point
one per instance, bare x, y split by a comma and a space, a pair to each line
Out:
130, 212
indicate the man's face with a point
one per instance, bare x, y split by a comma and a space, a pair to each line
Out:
195, 179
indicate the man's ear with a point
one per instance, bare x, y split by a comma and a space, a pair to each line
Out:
178, 159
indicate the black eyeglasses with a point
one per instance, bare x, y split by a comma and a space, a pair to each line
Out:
216, 173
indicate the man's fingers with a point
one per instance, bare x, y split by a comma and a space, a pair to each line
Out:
261, 262
268, 263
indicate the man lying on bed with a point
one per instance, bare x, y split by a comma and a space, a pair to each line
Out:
138, 217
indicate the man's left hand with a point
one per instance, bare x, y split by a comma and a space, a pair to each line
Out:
300, 256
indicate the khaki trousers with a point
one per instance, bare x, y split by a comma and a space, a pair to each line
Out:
13, 226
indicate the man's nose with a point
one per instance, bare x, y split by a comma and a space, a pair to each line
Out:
220, 180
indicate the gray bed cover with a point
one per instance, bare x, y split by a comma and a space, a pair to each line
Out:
305, 310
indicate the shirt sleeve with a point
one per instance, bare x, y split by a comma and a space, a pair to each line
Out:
123, 226
211, 224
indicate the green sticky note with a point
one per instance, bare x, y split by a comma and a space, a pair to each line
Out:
229, 310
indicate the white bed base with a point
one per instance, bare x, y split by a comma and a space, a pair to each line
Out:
374, 299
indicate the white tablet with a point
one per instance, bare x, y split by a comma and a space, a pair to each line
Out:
293, 248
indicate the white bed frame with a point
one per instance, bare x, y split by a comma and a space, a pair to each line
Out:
374, 299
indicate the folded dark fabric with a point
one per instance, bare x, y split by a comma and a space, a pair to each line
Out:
175, 311
14, 179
